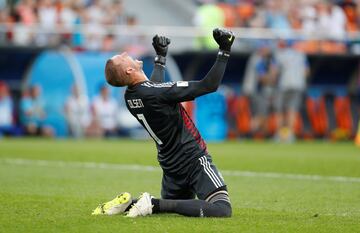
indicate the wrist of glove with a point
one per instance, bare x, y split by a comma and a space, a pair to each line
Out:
223, 53
161, 60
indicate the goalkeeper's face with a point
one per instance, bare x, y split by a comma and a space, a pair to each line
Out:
124, 61
120, 69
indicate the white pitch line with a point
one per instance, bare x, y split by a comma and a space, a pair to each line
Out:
133, 167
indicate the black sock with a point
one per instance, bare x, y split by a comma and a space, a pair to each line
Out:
193, 208
156, 205
133, 201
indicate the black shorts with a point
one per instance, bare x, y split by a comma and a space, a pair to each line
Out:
202, 180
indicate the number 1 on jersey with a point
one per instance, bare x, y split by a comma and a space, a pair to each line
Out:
141, 117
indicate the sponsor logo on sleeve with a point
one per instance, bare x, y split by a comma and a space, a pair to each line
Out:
182, 84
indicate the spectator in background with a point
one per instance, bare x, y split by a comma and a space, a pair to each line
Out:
331, 20
135, 45
259, 18
292, 84
26, 12
350, 10
94, 30
96, 12
19, 21
208, 16
48, 19
66, 19
25, 17
249, 87
33, 114
308, 16
77, 112
78, 37
105, 111
266, 73
250, 80
276, 17
67, 14
6, 111
115, 13
108, 43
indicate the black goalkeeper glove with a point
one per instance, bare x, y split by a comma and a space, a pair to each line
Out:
160, 44
224, 38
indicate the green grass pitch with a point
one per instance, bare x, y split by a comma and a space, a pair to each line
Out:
53, 186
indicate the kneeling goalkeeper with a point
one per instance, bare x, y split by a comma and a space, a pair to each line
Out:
187, 167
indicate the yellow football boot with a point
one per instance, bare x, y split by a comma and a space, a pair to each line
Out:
116, 206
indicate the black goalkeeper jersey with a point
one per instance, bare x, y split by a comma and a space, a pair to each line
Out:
157, 106
177, 139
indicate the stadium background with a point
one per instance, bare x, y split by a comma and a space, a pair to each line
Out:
56, 44
53, 184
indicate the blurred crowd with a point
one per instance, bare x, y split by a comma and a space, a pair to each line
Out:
275, 83
275, 100
330, 20
102, 116
80, 24
273, 103
330, 17
92, 118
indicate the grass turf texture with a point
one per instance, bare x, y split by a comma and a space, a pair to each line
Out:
52, 198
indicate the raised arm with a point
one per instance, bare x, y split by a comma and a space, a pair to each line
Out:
212, 80
160, 44
185, 91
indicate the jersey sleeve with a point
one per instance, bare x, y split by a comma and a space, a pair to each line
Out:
158, 73
176, 92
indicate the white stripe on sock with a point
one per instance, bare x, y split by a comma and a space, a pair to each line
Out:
217, 193
221, 198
